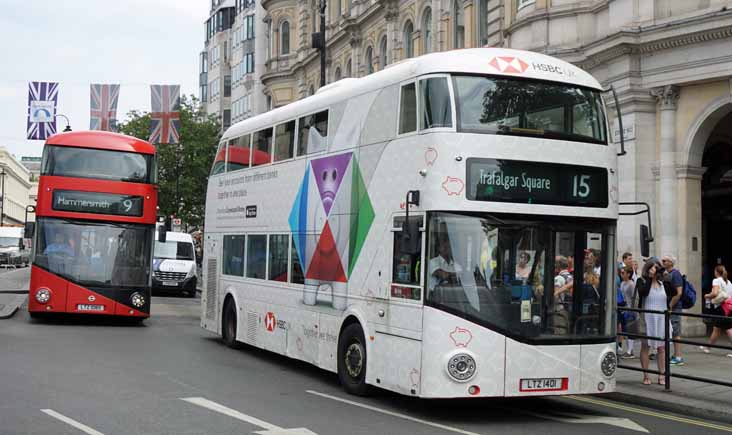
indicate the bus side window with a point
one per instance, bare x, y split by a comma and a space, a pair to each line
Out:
219, 166
408, 109
256, 256
312, 133
262, 152
435, 103
406, 266
239, 153
296, 273
234, 255
278, 245
284, 141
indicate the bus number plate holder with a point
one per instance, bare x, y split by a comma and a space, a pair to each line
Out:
544, 384
87, 307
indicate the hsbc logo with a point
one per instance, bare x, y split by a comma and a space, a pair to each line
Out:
270, 321
509, 64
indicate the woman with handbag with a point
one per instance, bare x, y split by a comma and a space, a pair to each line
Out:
721, 290
655, 293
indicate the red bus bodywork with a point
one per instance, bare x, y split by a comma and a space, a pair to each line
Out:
66, 295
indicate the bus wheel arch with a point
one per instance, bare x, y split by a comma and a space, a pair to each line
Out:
229, 322
352, 357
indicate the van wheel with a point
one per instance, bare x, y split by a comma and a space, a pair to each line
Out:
352, 360
228, 325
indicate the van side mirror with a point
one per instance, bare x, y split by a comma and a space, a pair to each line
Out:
30, 228
645, 241
162, 235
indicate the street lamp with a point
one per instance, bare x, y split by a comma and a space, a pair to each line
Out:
68, 124
2, 195
318, 41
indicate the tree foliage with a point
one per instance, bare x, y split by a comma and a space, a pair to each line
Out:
182, 167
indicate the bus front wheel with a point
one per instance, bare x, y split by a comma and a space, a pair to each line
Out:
228, 325
352, 360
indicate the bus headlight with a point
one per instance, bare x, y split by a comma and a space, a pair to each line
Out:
609, 364
43, 295
137, 299
461, 367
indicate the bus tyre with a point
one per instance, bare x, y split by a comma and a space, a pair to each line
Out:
228, 325
352, 360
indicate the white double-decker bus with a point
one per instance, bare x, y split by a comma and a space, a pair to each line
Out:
442, 228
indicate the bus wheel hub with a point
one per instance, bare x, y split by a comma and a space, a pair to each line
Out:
354, 359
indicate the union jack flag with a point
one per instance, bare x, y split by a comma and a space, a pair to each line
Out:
103, 107
165, 113
42, 99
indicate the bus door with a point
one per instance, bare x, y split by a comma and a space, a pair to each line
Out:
398, 329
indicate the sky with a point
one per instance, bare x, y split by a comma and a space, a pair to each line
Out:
134, 43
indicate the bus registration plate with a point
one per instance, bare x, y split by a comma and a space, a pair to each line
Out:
544, 384
85, 307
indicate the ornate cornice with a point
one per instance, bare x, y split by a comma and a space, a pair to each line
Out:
666, 96
688, 39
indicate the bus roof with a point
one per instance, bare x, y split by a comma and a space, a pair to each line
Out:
102, 140
483, 61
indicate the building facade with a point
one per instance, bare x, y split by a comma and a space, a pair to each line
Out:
33, 165
231, 63
14, 189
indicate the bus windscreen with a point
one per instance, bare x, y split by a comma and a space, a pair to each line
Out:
67, 161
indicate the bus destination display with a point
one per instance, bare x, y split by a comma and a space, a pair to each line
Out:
93, 202
536, 183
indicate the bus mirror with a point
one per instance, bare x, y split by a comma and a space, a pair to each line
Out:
645, 241
30, 228
411, 240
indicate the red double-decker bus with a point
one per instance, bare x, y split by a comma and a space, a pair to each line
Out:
95, 225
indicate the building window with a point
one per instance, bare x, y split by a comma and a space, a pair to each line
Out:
249, 24
227, 118
369, 60
521, 3
482, 22
285, 38
383, 56
427, 30
204, 62
459, 33
337, 75
408, 43
249, 63
204, 92
227, 86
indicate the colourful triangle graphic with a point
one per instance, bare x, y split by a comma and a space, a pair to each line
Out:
298, 217
328, 173
326, 263
362, 215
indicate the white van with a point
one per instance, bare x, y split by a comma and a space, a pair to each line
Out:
174, 263
12, 249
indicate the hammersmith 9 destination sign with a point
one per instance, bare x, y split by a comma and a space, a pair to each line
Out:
536, 183
93, 202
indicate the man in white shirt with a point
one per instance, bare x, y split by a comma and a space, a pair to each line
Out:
442, 268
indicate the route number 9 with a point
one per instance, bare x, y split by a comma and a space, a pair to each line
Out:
581, 186
127, 203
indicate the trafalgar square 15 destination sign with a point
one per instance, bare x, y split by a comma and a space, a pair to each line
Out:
536, 183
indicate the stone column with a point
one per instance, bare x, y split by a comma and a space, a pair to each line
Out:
667, 231
392, 31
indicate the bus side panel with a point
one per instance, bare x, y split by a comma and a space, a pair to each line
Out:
395, 363
330, 326
211, 298
446, 336
592, 376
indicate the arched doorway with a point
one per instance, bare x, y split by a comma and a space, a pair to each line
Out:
717, 198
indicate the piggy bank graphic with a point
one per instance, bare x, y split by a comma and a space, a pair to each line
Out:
461, 337
453, 186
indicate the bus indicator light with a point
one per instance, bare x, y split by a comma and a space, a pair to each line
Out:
43, 295
474, 390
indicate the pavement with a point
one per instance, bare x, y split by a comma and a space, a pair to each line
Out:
13, 290
687, 397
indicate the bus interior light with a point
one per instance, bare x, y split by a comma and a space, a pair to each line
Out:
43, 295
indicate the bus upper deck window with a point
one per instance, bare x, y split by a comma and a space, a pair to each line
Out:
436, 108
219, 166
262, 144
284, 141
239, 153
408, 109
312, 133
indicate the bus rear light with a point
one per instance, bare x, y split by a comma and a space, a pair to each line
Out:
474, 390
43, 295
49, 308
137, 299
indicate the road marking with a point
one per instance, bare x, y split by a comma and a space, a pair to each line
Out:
392, 413
564, 417
71, 422
269, 429
651, 413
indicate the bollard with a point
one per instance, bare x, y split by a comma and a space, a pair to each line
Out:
667, 348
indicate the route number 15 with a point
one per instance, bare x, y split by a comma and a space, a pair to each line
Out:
581, 186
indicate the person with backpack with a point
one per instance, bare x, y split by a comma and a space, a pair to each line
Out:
721, 291
677, 284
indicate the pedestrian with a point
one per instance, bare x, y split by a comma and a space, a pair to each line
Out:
627, 289
677, 283
721, 290
655, 294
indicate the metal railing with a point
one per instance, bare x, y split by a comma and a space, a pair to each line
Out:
667, 339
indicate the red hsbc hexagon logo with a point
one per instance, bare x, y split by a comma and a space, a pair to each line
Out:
269, 321
509, 64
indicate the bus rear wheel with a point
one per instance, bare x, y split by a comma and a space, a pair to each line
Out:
352, 360
228, 325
